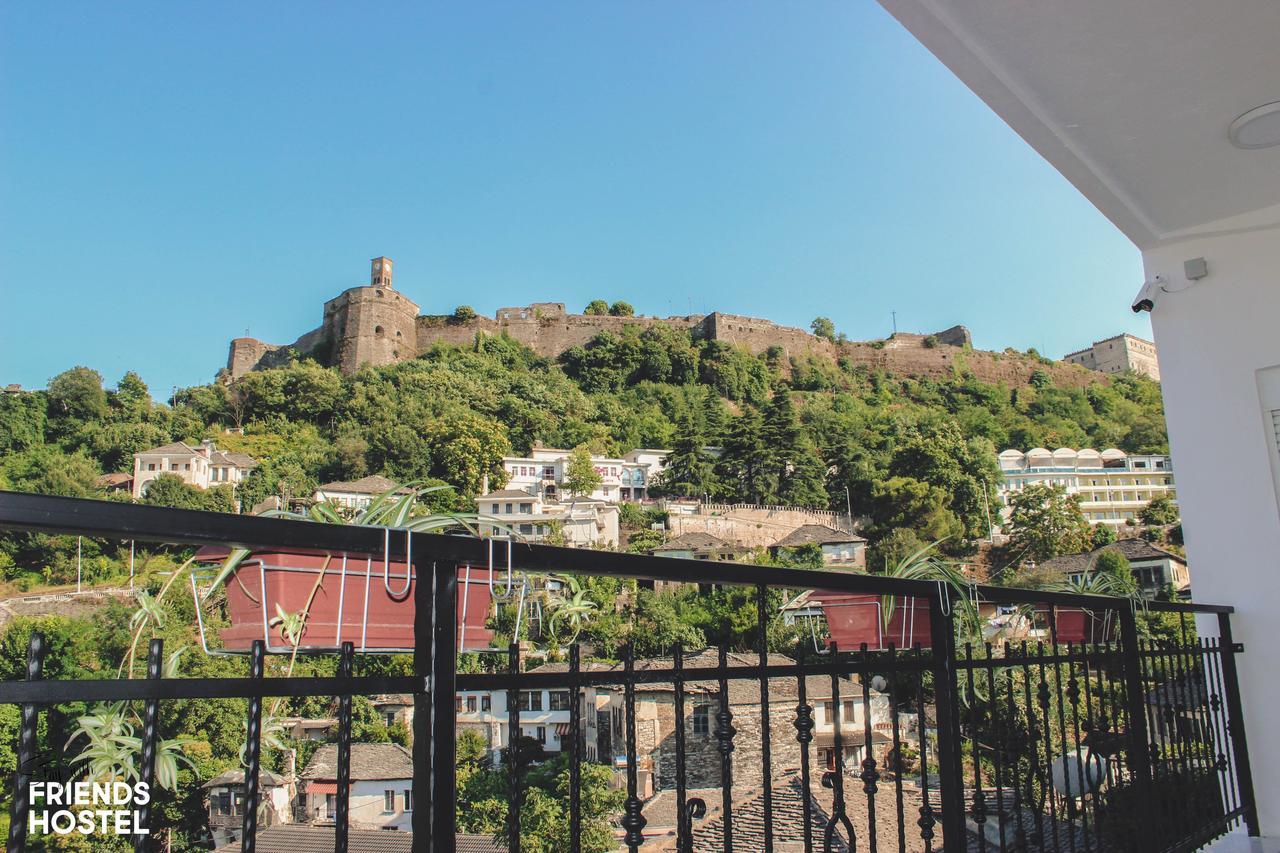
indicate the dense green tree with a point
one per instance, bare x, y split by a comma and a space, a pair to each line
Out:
1046, 522
1116, 566
822, 327
1159, 512
622, 309
1103, 534
904, 502
581, 476
596, 307
463, 313
77, 395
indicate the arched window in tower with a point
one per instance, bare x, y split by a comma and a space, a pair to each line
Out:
398, 335
377, 331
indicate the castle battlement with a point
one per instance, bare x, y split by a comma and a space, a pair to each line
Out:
375, 325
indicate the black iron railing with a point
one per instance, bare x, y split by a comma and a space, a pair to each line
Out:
1106, 741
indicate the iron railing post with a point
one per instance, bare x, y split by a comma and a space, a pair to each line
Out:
425, 696
443, 676
1140, 770
150, 737
253, 753
342, 818
1235, 726
27, 749
946, 702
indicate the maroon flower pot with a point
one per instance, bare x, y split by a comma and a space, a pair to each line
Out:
856, 619
1076, 625
360, 600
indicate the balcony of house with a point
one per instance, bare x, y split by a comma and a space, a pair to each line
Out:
900, 722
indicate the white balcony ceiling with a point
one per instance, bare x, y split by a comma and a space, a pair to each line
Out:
1129, 99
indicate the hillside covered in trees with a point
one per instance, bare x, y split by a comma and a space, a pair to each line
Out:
915, 455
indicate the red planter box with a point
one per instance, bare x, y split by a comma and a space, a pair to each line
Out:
368, 603
856, 619
1075, 625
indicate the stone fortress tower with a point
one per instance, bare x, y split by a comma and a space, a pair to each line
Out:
371, 325
368, 325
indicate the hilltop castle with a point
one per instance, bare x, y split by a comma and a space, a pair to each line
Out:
375, 324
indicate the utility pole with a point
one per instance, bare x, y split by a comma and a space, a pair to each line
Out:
991, 533
78, 542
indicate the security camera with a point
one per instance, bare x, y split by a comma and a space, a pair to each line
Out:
1146, 298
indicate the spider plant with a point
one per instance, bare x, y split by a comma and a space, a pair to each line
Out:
574, 610
927, 564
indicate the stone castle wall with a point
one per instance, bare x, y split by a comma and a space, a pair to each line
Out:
749, 525
378, 325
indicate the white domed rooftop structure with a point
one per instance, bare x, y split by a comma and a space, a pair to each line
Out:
1064, 457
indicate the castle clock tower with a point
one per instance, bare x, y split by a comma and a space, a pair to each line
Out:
380, 276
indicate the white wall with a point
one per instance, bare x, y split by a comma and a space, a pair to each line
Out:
1213, 338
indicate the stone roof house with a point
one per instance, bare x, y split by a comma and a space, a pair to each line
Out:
839, 547
696, 545
226, 802
355, 495
381, 794
1153, 567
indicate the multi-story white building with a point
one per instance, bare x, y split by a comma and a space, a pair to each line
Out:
625, 478
1119, 354
544, 717
201, 466
580, 522
1113, 486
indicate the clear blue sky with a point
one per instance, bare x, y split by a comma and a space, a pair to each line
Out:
174, 173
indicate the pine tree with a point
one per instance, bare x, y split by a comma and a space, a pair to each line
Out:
745, 463
689, 470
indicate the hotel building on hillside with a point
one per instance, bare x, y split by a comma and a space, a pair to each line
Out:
1113, 486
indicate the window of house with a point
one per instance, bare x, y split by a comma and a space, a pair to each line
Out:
390, 717
542, 734
526, 529
408, 799
531, 700
330, 804
471, 704
486, 703
526, 509
186, 466
151, 466
173, 466
702, 720
559, 700
508, 509
458, 698
388, 801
